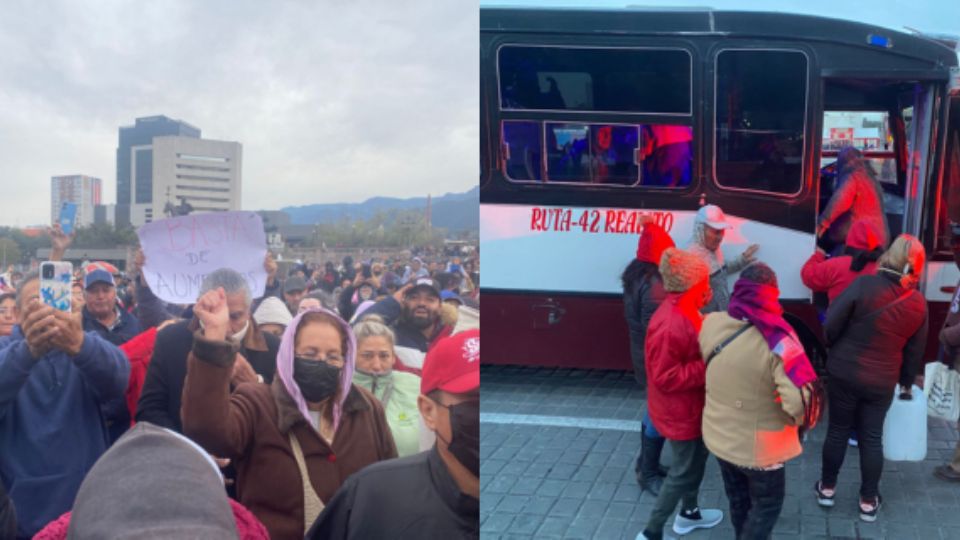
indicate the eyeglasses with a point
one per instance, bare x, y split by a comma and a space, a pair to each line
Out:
335, 360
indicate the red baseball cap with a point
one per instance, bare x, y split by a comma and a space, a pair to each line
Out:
453, 364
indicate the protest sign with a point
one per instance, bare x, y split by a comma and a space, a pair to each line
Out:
181, 251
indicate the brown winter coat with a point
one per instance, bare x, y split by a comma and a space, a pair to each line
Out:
752, 410
251, 427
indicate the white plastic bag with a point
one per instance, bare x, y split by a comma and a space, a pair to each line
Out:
942, 387
905, 428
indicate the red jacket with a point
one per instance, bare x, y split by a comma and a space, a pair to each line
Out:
834, 275
248, 526
138, 351
676, 371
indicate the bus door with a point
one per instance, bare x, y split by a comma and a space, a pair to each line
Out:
942, 274
890, 122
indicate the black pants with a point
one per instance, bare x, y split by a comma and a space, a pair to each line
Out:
855, 407
756, 498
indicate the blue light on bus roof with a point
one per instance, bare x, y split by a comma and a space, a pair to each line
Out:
879, 41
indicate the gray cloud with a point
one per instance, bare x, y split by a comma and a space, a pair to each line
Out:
333, 101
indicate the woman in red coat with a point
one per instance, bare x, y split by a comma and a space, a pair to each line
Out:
676, 390
860, 255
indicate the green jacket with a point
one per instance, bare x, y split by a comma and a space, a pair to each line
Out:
398, 392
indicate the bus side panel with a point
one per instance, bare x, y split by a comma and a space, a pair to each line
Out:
538, 329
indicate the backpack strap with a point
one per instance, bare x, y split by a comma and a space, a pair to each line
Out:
716, 350
883, 308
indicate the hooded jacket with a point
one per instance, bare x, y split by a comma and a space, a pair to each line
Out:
397, 392
642, 297
720, 270
873, 346
675, 370
833, 275
253, 427
51, 428
857, 197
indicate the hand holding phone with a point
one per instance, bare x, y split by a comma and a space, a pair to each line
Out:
55, 284
68, 217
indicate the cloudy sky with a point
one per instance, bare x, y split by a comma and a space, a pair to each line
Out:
333, 101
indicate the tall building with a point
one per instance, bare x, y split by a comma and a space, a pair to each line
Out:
82, 190
105, 214
141, 135
163, 162
203, 173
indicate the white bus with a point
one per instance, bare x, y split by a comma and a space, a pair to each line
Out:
591, 119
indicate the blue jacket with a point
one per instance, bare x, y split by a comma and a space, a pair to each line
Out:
124, 329
51, 429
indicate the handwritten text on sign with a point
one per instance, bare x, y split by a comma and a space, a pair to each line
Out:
181, 251
596, 221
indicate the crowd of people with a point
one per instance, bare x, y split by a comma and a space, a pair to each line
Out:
343, 403
726, 374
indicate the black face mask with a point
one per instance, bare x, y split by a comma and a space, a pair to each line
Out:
465, 442
317, 380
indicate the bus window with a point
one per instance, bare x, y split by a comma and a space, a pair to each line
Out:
652, 155
949, 207
667, 155
521, 153
761, 102
594, 79
568, 153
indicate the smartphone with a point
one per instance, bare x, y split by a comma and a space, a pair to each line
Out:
55, 284
367, 272
68, 216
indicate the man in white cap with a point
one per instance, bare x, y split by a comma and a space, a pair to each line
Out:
709, 228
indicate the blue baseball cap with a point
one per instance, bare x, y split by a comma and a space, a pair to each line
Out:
450, 295
98, 275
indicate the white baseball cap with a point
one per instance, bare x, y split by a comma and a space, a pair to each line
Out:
713, 216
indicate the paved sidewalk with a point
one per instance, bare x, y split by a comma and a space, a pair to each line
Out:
557, 453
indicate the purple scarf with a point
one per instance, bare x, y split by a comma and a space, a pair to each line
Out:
760, 305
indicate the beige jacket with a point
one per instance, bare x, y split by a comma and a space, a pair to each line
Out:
752, 408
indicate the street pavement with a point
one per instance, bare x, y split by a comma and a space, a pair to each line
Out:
558, 446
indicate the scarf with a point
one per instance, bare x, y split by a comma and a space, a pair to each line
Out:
759, 304
285, 365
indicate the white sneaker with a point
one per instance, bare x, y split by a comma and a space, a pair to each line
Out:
702, 519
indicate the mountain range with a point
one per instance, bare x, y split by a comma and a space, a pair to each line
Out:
453, 211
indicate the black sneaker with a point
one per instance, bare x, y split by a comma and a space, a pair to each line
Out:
824, 495
869, 508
